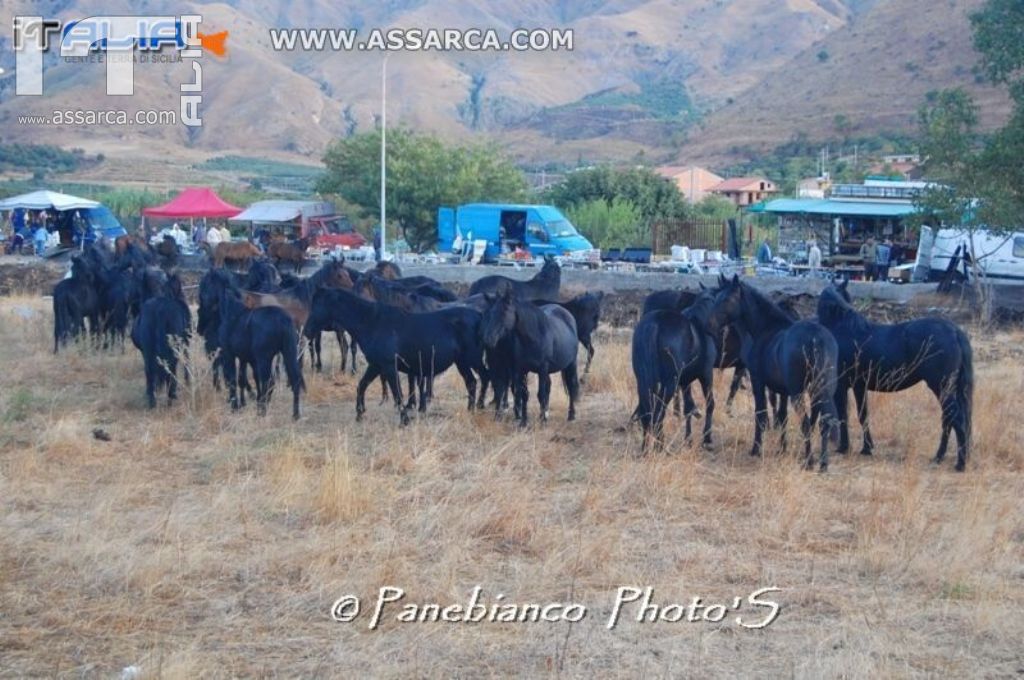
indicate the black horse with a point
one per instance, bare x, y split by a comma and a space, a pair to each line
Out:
727, 339
249, 337
891, 358
371, 286
164, 317
75, 299
586, 312
394, 341
543, 286
788, 357
522, 338
670, 350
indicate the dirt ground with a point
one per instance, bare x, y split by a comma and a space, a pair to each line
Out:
192, 542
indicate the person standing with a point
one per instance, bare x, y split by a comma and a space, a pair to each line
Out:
39, 238
225, 234
376, 243
882, 252
213, 236
814, 257
764, 253
867, 256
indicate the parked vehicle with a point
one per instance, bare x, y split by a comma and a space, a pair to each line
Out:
313, 220
537, 229
1000, 255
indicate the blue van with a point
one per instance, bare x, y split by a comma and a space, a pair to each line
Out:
539, 229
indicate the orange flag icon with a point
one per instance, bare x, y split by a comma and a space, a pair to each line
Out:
215, 42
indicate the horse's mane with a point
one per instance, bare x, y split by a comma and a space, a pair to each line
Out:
833, 309
774, 313
529, 319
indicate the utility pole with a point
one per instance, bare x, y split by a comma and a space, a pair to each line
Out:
383, 157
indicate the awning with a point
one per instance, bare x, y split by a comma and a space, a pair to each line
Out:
194, 202
828, 206
45, 200
271, 211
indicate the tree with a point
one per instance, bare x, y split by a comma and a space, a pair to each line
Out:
651, 196
980, 180
423, 174
608, 225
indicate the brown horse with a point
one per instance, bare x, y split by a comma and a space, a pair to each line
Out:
284, 251
240, 253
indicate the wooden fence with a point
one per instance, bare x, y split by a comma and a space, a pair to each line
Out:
710, 234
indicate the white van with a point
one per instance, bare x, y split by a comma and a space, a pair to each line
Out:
1000, 256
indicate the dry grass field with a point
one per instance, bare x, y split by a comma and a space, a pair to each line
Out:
201, 543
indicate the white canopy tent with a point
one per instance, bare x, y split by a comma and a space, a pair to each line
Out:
45, 200
272, 212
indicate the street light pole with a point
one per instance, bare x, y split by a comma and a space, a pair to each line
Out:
383, 160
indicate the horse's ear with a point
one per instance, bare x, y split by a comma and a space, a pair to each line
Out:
735, 279
845, 283
702, 286
721, 279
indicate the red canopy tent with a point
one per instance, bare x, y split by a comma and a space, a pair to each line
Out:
194, 202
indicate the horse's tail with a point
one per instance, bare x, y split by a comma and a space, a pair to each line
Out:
290, 357
965, 382
645, 369
825, 371
164, 355
63, 319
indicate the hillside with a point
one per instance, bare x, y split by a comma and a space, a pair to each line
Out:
705, 79
874, 73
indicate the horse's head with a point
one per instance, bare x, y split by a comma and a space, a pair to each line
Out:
842, 288
388, 270
833, 306
729, 301
364, 287
499, 317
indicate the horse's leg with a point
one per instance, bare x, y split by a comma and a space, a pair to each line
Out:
543, 393
352, 348
314, 353
589, 344
391, 376
470, 382
522, 396
688, 410
782, 416
805, 429
414, 383
343, 347
962, 440
860, 394
172, 379
571, 380
230, 368
264, 379
368, 377
737, 379
842, 407
816, 411
659, 407
760, 415
707, 384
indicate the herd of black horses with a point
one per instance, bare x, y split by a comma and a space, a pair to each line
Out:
505, 329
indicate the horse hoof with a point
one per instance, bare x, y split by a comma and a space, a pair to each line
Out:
823, 467
755, 453
960, 467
